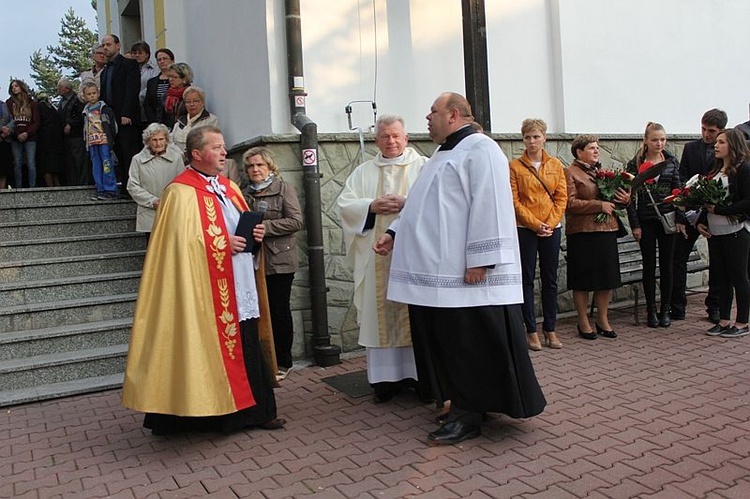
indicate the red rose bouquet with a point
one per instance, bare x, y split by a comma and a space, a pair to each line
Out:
699, 191
608, 181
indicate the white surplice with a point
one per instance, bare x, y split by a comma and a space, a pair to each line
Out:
389, 352
452, 221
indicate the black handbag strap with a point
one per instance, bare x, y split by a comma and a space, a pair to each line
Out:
653, 203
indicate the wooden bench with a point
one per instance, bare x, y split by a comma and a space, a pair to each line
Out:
631, 269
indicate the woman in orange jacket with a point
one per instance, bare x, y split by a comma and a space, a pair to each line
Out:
539, 197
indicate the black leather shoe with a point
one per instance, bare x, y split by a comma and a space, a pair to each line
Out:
384, 396
714, 316
735, 332
586, 336
605, 333
718, 329
652, 320
454, 432
677, 316
664, 319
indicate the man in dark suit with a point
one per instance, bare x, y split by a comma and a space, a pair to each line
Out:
120, 85
697, 158
70, 109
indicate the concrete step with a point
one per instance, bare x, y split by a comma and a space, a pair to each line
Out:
66, 312
62, 211
71, 266
68, 246
68, 338
45, 196
62, 389
20, 293
16, 374
64, 228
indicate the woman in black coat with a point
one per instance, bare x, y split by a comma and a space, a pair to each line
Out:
662, 171
728, 230
49, 154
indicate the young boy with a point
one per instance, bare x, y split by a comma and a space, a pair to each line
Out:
99, 131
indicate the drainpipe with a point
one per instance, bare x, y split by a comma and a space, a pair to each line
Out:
324, 353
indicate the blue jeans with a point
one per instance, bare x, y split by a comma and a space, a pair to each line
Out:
103, 169
18, 149
548, 249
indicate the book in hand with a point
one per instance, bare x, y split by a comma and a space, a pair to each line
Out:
248, 220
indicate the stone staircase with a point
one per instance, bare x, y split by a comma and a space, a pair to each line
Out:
69, 273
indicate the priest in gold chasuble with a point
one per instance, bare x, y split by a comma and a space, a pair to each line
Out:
201, 350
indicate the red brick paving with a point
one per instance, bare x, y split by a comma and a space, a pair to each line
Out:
655, 413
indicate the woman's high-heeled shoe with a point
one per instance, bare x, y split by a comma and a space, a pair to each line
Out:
534, 343
605, 333
586, 336
551, 340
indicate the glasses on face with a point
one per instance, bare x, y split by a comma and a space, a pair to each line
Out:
193, 102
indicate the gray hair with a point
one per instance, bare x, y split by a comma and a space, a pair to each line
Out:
152, 130
183, 70
388, 119
96, 47
195, 90
65, 83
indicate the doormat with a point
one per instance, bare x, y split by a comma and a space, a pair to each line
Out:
353, 384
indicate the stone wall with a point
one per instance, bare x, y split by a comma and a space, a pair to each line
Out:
339, 154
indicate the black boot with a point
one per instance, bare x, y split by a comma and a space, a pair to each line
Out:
664, 319
652, 320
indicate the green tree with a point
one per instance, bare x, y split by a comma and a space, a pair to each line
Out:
76, 41
69, 58
44, 72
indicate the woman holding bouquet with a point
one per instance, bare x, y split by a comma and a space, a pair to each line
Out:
662, 172
591, 227
727, 225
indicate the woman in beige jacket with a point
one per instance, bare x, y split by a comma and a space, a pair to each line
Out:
151, 170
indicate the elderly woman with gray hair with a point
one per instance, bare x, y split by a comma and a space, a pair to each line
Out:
195, 115
151, 171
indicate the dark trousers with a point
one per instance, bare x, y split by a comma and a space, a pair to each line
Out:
682, 250
730, 265
548, 249
279, 288
652, 234
127, 144
77, 168
478, 358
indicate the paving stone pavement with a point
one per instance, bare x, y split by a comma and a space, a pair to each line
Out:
655, 413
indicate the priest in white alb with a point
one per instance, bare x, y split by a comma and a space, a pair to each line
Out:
371, 199
457, 264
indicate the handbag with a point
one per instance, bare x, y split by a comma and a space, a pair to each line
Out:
668, 220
